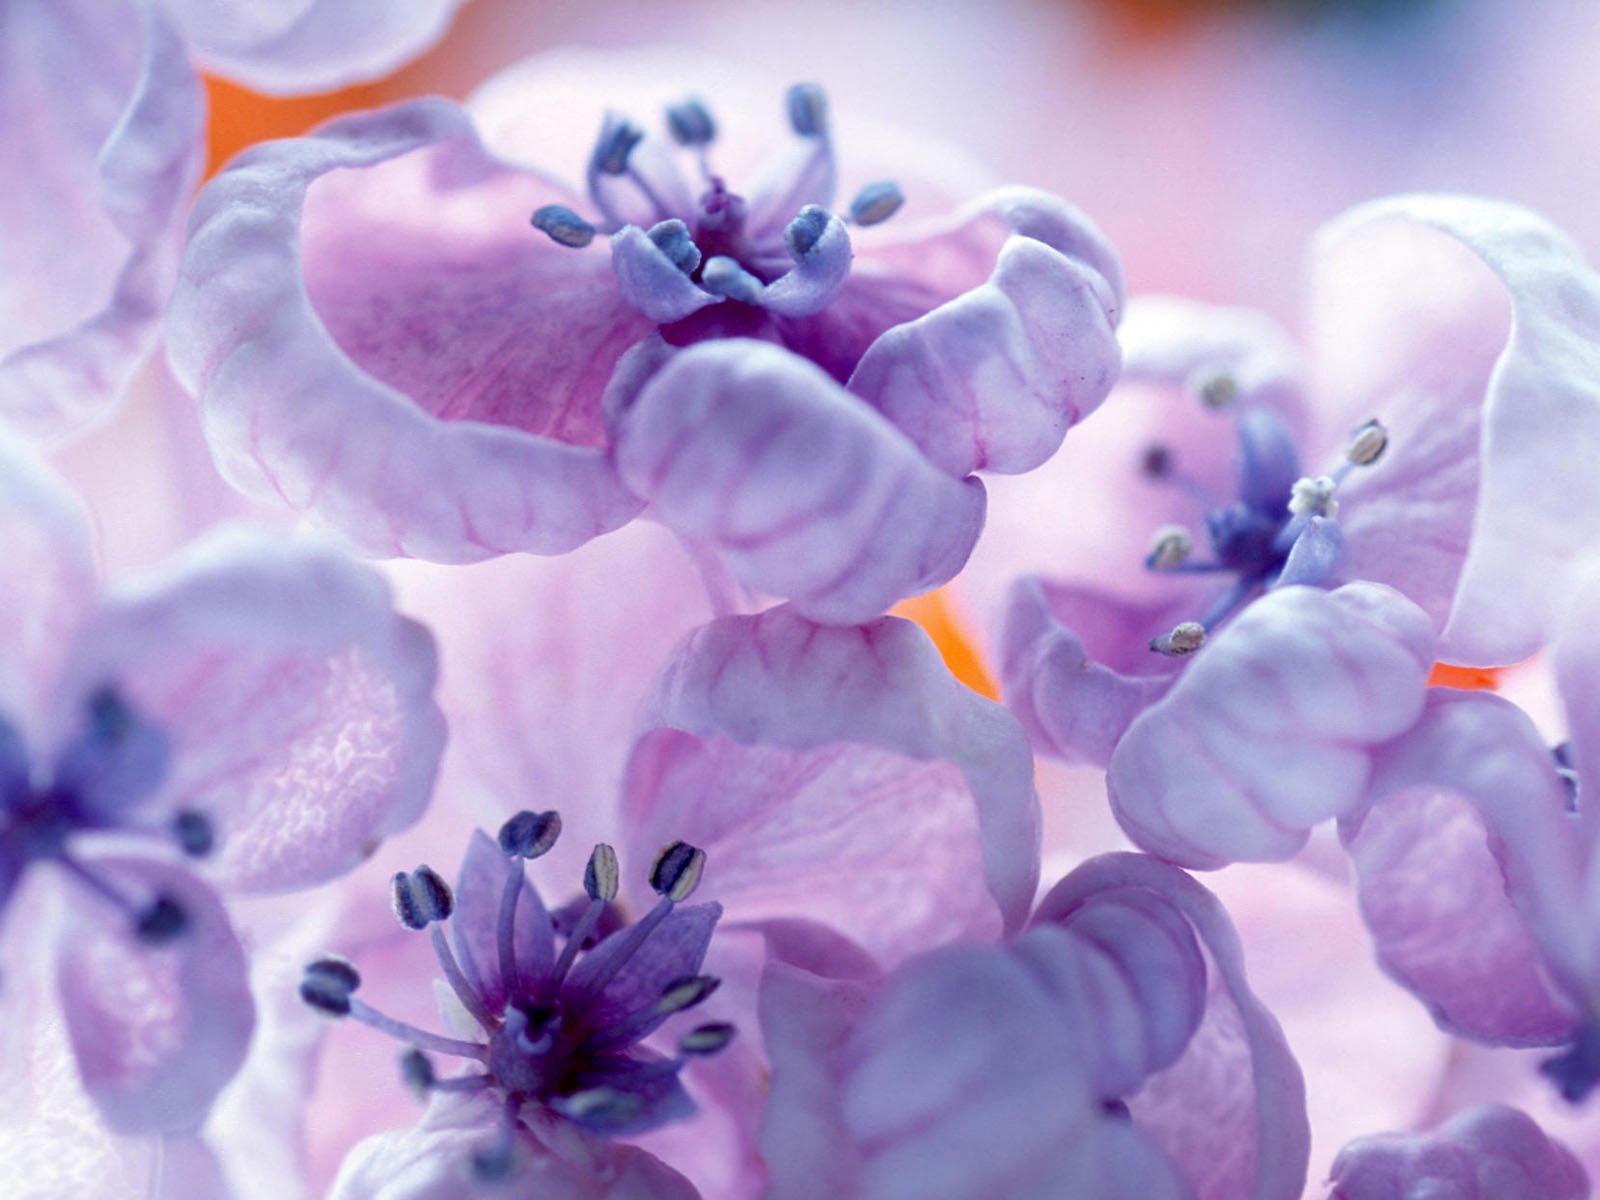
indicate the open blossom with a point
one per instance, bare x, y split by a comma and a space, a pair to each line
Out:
1112, 1049
1448, 444
804, 395
106, 152
554, 1006
250, 718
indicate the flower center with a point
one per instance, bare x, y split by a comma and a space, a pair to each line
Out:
97, 783
1281, 529
560, 1031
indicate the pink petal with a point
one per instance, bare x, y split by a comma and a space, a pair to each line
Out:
157, 1030
805, 492
843, 770
299, 706
387, 392
1269, 730
106, 145
308, 45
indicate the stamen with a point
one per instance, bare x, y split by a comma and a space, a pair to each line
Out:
1185, 639
494, 1163
876, 203
401, 1031
327, 985
1313, 497
457, 980
1155, 462
690, 122
563, 226
725, 277
194, 833
678, 995
601, 876
808, 110
163, 920
1576, 1073
710, 1038
612, 155
505, 931
599, 1106
420, 898
672, 239
529, 834
676, 870
1367, 444
416, 1069
1216, 390
631, 939
1171, 549
802, 233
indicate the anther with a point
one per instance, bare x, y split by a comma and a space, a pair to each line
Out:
1216, 391
612, 155
1156, 462
492, 1164
1367, 444
563, 226
876, 203
710, 1038
420, 898
1171, 548
724, 276
1185, 639
328, 984
601, 875
690, 123
672, 239
677, 869
194, 833
1313, 497
599, 1106
807, 228
808, 110
416, 1069
530, 834
686, 993
161, 921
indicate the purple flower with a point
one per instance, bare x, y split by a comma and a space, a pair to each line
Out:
555, 1004
1486, 1153
106, 147
366, 309
255, 708
1112, 1049
1442, 450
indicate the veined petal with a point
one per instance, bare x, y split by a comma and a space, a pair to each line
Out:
1490, 1152
1231, 1112
844, 769
805, 492
393, 390
994, 378
105, 161
1270, 729
1540, 408
48, 586
157, 1030
287, 47
298, 705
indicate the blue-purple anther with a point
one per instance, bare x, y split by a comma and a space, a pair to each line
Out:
1281, 529
97, 784
782, 249
562, 1015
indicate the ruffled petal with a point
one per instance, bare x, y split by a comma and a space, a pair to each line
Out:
1269, 730
839, 772
48, 585
1540, 408
819, 272
157, 1030
651, 282
1231, 1112
995, 377
805, 492
287, 48
431, 384
298, 705
1488, 1153
1075, 705
105, 163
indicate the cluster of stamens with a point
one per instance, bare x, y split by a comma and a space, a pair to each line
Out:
42, 814
546, 1048
1255, 538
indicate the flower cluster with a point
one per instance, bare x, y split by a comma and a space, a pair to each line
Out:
654, 457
